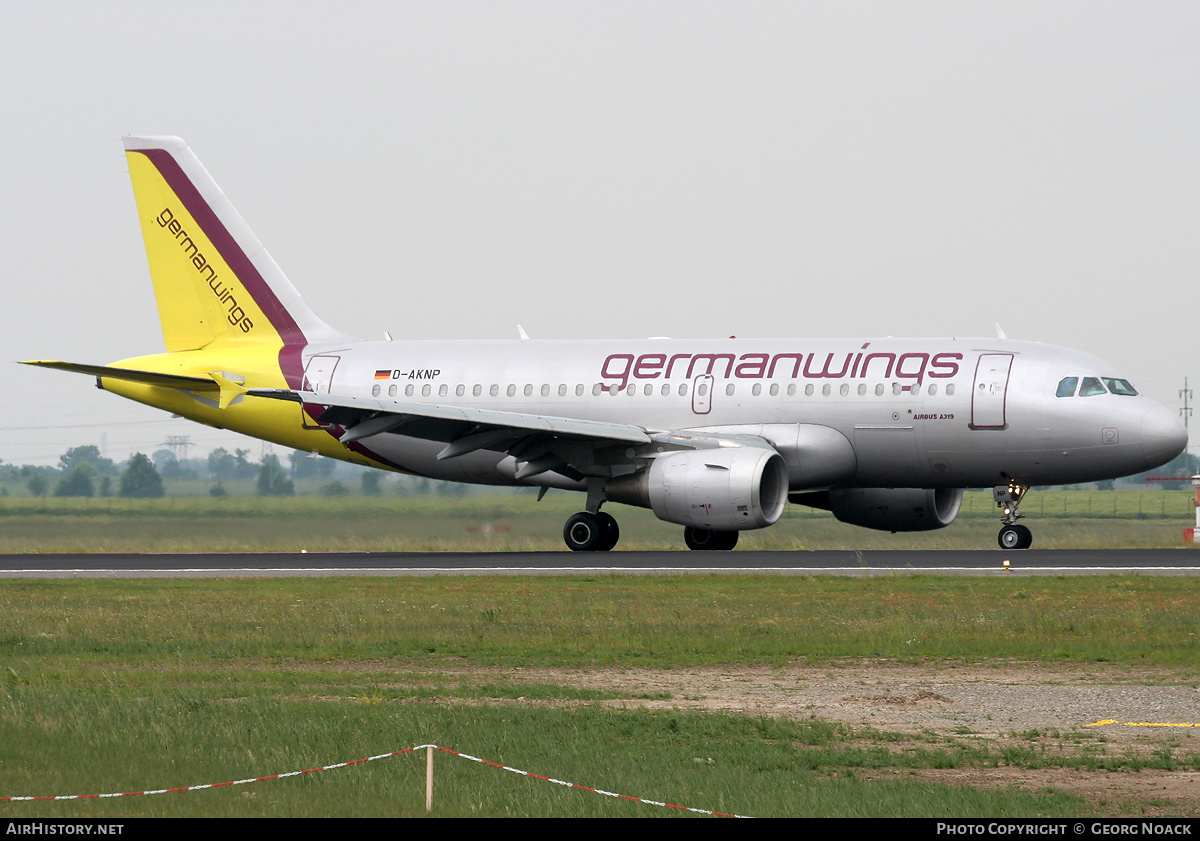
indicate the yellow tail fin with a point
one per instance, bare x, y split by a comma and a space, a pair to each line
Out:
213, 279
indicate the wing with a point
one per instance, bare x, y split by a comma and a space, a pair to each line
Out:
571, 446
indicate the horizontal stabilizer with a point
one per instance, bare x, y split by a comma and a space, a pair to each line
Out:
147, 377
226, 389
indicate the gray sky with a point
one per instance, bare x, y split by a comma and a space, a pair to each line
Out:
446, 170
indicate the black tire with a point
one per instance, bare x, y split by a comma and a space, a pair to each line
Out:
709, 540
727, 540
1026, 537
1015, 537
612, 532
584, 532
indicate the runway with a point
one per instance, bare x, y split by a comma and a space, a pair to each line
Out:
837, 562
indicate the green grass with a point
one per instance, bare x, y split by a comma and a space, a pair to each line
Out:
117, 685
660, 621
110, 739
516, 522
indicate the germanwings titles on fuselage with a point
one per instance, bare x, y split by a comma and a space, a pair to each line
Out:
757, 365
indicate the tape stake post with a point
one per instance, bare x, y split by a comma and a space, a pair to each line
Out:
429, 778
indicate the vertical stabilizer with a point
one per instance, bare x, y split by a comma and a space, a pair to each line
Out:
213, 279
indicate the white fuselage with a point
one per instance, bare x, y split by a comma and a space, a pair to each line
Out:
843, 412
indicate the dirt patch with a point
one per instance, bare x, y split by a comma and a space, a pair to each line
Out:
901, 700
1062, 711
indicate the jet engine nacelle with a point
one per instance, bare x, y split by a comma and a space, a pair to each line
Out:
722, 489
896, 509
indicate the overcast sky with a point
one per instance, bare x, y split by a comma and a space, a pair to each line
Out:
445, 170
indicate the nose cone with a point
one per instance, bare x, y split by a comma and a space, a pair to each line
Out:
1163, 436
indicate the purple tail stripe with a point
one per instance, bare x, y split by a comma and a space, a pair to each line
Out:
291, 355
293, 338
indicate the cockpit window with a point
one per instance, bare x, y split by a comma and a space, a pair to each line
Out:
1094, 385
1121, 387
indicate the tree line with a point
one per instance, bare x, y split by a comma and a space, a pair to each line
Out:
85, 472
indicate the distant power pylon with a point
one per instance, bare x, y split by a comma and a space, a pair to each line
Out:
1186, 411
178, 445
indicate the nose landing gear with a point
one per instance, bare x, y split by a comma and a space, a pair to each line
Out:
1008, 500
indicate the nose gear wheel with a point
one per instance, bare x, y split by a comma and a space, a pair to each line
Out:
1008, 500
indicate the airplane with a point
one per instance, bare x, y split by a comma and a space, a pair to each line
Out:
715, 435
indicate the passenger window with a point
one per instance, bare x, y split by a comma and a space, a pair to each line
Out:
545, 390
808, 390
425, 391
375, 390
791, 389
460, 390
729, 389
391, 391
844, 390
512, 390
649, 389
666, 389
596, 389
408, 391
442, 391
774, 389
562, 390
494, 390
477, 390
579, 390
757, 390
932, 388
702, 389
1066, 387
862, 389
683, 390
950, 390
826, 389
1091, 387
528, 389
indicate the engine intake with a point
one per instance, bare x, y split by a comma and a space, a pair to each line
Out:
722, 489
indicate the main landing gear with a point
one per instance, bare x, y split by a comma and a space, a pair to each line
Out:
588, 532
1008, 499
707, 539
594, 531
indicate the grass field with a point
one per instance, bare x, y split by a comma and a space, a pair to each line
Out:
516, 522
126, 685
120, 685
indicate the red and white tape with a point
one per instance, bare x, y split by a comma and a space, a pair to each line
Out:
217, 785
372, 759
585, 788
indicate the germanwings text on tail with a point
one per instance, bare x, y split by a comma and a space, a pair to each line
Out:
716, 436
